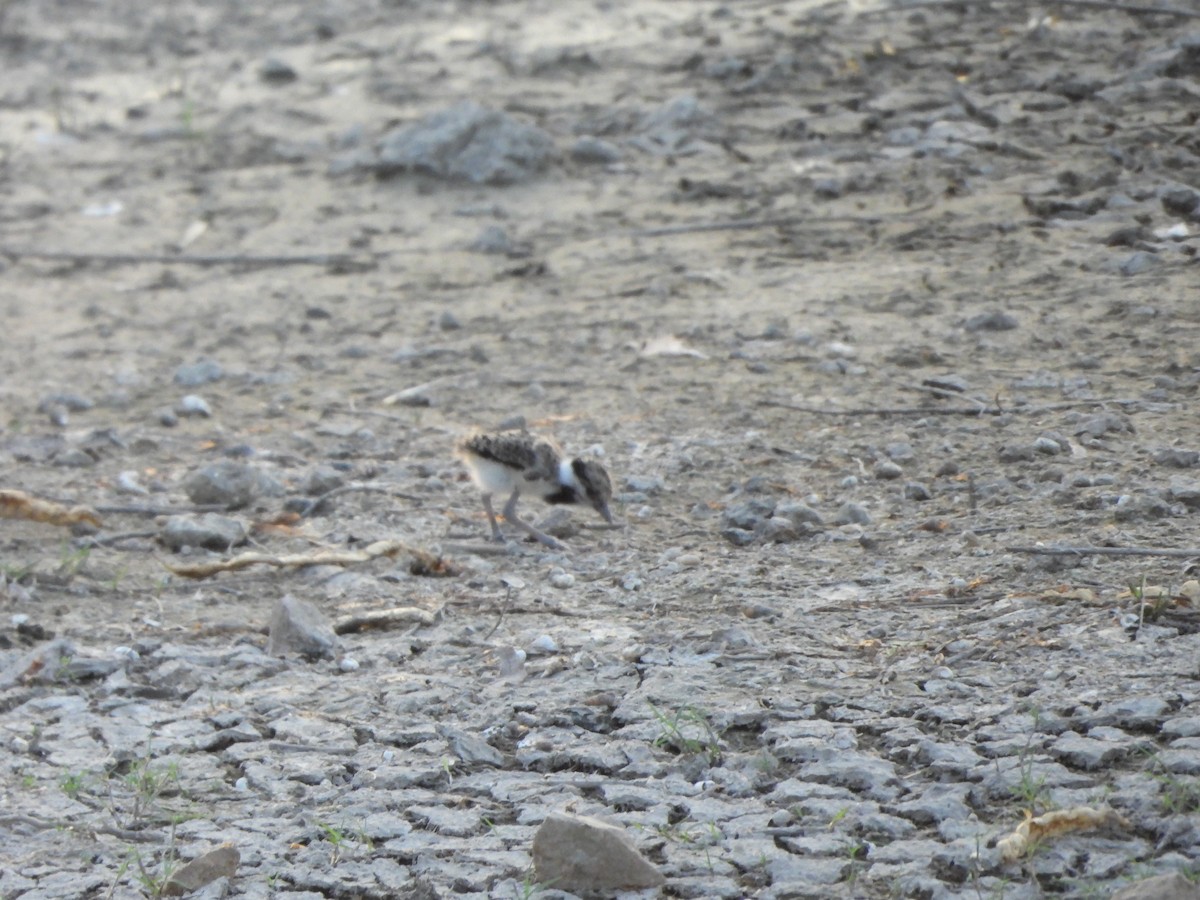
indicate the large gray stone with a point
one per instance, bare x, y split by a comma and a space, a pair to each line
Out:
584, 854
468, 142
297, 626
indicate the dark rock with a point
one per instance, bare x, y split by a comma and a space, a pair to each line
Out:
297, 626
1137, 263
1180, 202
991, 321
276, 71
198, 373
852, 514
467, 142
594, 151
886, 470
1179, 459
210, 531
229, 484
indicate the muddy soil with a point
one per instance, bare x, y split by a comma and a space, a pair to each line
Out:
870, 310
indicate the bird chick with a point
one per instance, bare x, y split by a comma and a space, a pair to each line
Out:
515, 462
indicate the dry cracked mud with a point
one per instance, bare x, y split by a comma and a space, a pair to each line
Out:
871, 310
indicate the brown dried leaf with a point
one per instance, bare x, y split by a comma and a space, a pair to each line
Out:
20, 505
1062, 821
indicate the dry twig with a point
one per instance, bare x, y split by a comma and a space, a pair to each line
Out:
428, 563
337, 260
1062, 550
384, 618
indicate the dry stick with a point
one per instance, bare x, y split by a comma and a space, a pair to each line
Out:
112, 539
1170, 552
138, 510
901, 9
938, 411
384, 618
303, 259
749, 224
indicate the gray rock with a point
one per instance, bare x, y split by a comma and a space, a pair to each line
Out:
803, 874
886, 470
1009, 453
801, 515
208, 867
297, 626
594, 151
227, 483
74, 458
193, 406
748, 515
1085, 752
1161, 887
914, 490
468, 142
68, 401
493, 240
991, 321
210, 531
583, 854
198, 373
1178, 459
471, 749
852, 514
646, 484
860, 772
938, 803
739, 537
1137, 263
1144, 713
322, 480
276, 71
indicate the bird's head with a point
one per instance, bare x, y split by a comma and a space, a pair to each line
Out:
597, 487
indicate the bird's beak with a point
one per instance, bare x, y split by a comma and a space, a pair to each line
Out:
604, 511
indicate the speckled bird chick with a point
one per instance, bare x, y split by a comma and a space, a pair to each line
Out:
517, 462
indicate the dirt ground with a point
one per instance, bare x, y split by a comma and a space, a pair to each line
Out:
868, 305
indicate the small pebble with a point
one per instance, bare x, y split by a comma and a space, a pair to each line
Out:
887, 470
543, 644
561, 580
348, 664
632, 582
193, 406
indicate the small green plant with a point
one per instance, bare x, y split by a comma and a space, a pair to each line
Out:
72, 559
29, 782
135, 799
73, 783
1029, 790
335, 838
687, 731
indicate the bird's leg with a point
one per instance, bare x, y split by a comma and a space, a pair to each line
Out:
510, 515
491, 513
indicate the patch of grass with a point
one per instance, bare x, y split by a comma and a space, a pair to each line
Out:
688, 731
73, 783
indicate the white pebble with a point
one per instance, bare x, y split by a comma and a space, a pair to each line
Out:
544, 644
943, 672
562, 579
389, 755
631, 582
18, 745
241, 784
20, 619
124, 652
348, 664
